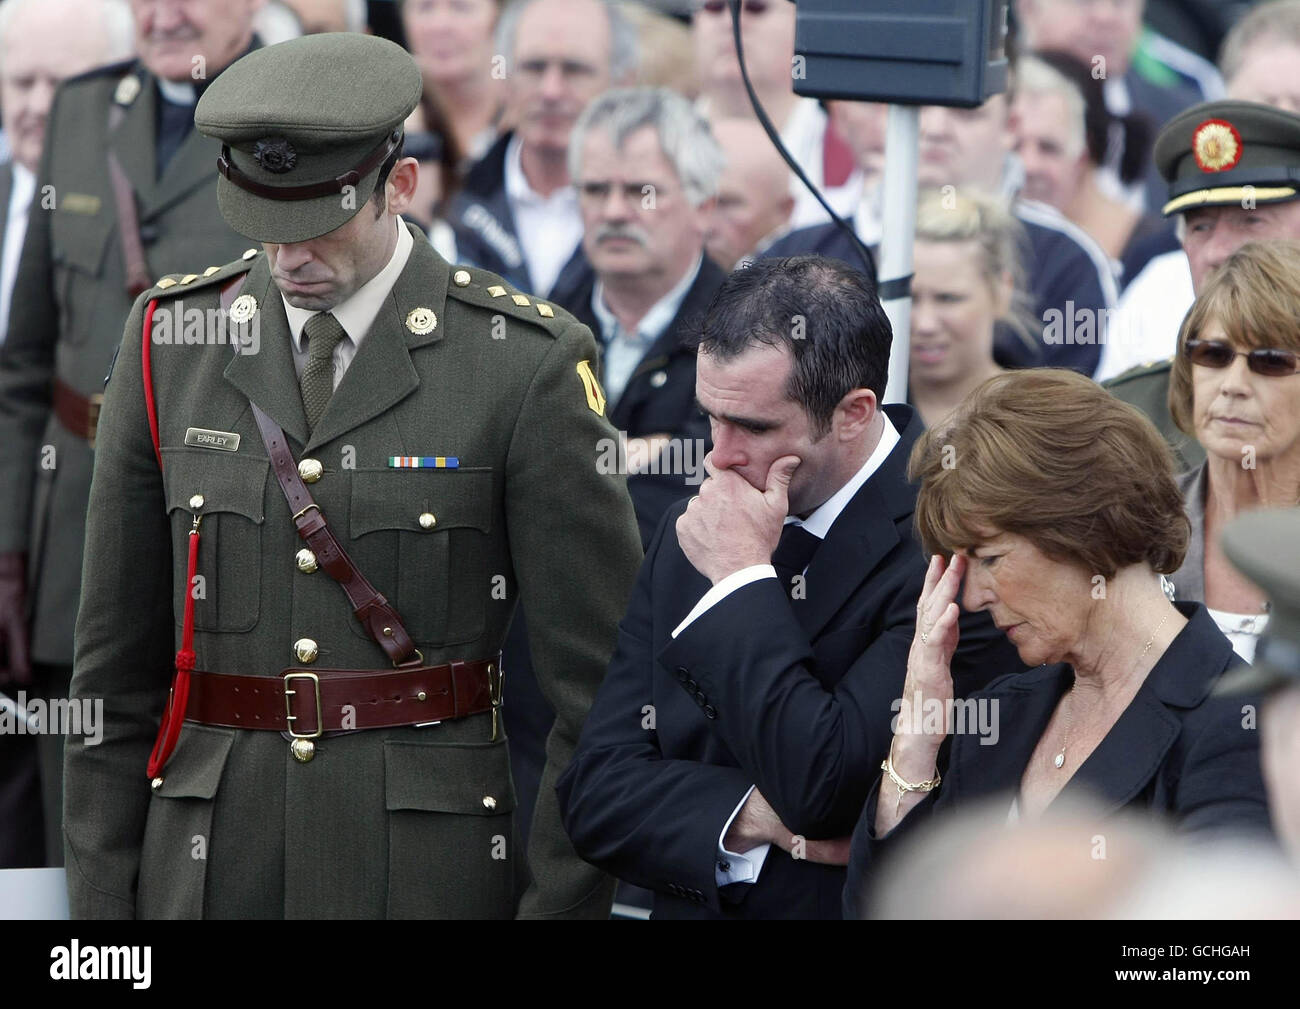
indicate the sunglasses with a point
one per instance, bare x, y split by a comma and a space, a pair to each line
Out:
748, 6
1217, 354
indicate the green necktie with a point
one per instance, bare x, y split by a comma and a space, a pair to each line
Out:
323, 334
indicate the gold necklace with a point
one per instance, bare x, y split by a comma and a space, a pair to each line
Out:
1059, 759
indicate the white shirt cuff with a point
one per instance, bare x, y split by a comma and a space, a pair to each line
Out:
724, 588
731, 867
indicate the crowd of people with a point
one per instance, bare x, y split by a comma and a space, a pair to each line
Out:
852, 628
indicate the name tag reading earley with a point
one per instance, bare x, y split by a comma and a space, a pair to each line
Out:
201, 437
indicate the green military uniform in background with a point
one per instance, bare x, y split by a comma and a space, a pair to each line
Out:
69, 302
407, 821
1147, 388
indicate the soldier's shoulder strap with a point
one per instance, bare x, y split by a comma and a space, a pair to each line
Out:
176, 285
485, 289
1141, 371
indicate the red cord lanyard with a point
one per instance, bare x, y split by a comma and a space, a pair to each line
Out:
178, 698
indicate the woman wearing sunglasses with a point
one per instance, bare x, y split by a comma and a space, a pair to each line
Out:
1235, 387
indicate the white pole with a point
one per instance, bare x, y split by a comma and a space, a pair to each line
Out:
899, 227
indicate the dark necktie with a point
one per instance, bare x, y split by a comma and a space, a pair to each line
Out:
174, 124
323, 334
793, 553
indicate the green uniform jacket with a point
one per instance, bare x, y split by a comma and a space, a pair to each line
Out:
1147, 388
384, 822
68, 307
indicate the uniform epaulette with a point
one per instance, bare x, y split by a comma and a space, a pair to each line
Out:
487, 290
1140, 371
107, 70
175, 284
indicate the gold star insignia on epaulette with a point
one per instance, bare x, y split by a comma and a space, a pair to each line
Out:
165, 283
189, 278
520, 299
496, 290
545, 311
249, 254
210, 271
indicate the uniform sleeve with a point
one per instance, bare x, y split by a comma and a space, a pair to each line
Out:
124, 641
27, 371
575, 548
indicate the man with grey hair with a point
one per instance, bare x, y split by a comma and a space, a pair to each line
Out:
517, 214
42, 42
646, 167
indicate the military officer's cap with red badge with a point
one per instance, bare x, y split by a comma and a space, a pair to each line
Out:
1229, 153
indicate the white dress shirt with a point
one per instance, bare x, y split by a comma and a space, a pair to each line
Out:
356, 314
20, 202
1145, 326
624, 350
549, 228
732, 867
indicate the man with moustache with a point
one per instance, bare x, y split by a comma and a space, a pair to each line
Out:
126, 193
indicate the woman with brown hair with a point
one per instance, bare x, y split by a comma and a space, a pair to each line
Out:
1235, 387
1057, 505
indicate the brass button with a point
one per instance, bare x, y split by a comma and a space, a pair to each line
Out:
156, 783
310, 470
427, 521
421, 696
306, 561
303, 750
196, 502
460, 278
305, 649
489, 802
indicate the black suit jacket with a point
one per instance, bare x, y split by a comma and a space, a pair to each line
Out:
659, 398
1176, 750
794, 697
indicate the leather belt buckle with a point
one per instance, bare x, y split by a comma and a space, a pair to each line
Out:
290, 693
94, 403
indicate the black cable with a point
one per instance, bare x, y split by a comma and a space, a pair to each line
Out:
775, 137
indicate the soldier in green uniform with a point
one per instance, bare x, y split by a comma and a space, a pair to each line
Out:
124, 188
447, 430
1233, 168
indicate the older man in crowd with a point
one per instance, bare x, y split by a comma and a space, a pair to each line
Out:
517, 214
130, 194
1142, 72
42, 42
754, 201
1261, 62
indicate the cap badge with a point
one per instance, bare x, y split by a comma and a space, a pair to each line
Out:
275, 154
421, 321
1216, 145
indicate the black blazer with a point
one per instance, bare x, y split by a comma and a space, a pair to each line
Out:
1175, 750
795, 697
660, 395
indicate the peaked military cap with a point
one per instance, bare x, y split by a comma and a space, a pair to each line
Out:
1265, 547
1218, 153
305, 126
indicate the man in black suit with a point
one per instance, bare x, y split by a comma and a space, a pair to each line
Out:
748, 704
646, 168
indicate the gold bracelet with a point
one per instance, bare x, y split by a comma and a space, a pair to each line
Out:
887, 765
